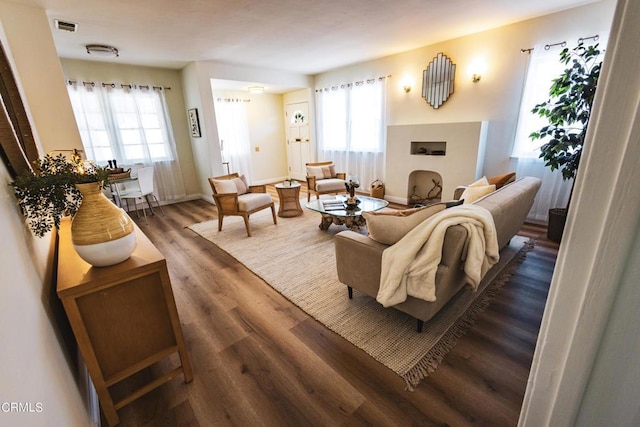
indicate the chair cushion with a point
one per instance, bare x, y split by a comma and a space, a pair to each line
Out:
224, 186
250, 201
390, 226
482, 182
322, 172
241, 184
329, 185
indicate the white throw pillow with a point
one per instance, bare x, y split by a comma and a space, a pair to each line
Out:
241, 185
224, 186
471, 194
482, 182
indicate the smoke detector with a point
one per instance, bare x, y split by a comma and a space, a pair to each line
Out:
71, 27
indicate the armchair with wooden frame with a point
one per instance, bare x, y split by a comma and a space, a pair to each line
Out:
233, 197
322, 179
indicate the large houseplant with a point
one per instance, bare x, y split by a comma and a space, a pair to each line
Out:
567, 111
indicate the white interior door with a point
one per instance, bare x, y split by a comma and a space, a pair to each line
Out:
298, 141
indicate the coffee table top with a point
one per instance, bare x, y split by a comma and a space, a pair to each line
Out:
367, 204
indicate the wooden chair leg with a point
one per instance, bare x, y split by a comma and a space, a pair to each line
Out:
246, 224
273, 213
220, 216
308, 196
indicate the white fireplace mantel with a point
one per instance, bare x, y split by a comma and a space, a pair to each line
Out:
461, 165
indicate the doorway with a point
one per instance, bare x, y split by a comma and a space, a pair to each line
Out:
298, 142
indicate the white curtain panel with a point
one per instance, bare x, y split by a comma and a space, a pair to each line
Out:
352, 129
233, 131
544, 66
131, 125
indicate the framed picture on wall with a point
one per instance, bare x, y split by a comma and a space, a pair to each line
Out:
194, 123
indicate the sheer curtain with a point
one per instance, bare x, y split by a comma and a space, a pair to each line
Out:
233, 131
352, 128
130, 124
544, 66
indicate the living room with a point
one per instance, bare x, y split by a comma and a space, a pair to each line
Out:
492, 99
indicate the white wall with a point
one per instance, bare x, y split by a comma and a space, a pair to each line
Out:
196, 79
118, 73
33, 368
496, 97
266, 131
585, 370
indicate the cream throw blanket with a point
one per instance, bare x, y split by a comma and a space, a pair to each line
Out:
409, 267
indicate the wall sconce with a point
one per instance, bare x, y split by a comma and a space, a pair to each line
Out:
406, 83
477, 69
407, 88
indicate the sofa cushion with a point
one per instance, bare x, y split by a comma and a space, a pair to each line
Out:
471, 194
329, 185
322, 172
224, 186
390, 226
482, 182
250, 201
501, 180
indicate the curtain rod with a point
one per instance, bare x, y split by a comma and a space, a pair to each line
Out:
562, 43
120, 85
358, 83
232, 100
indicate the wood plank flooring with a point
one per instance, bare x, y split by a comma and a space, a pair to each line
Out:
258, 360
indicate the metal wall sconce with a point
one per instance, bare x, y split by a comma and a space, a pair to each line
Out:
407, 89
476, 78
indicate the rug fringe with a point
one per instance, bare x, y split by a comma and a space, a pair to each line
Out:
430, 362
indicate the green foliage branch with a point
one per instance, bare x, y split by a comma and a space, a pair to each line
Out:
49, 192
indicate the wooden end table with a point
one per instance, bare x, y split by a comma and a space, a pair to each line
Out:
289, 196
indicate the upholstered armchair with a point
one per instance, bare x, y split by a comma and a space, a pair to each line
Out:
234, 197
323, 179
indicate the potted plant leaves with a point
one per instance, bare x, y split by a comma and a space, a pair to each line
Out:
567, 111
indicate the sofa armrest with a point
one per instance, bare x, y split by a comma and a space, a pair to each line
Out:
341, 175
358, 261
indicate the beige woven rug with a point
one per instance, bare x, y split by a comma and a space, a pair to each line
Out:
297, 259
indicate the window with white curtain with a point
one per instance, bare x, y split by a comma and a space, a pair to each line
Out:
543, 66
233, 131
130, 124
352, 128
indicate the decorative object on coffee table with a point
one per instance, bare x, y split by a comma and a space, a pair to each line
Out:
351, 185
289, 195
336, 211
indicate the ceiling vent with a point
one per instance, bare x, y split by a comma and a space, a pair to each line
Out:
66, 26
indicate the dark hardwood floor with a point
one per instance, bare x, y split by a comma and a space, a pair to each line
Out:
258, 360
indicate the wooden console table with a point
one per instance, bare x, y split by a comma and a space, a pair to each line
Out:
124, 317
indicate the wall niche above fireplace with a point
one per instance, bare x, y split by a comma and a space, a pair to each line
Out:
429, 148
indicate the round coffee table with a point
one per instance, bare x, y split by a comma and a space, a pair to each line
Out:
334, 211
289, 196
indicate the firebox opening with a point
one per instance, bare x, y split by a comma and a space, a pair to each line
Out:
425, 187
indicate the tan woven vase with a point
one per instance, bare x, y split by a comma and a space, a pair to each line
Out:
101, 232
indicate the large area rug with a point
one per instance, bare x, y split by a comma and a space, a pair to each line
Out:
297, 259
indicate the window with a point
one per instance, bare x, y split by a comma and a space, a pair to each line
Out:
127, 124
352, 128
130, 124
544, 66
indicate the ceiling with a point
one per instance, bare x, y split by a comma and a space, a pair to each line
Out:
307, 37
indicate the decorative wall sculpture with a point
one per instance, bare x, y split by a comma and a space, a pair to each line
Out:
437, 80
